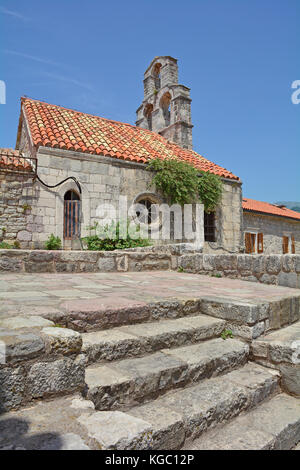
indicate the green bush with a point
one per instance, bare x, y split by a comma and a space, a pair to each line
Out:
5, 246
53, 243
108, 238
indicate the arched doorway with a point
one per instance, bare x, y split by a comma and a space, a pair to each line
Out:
71, 215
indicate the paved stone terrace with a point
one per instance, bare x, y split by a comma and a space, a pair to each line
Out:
41, 294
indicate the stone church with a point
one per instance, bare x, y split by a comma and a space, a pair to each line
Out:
67, 162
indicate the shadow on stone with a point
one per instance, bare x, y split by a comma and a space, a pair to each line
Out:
13, 437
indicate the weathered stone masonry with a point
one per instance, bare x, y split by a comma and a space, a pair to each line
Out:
273, 229
17, 209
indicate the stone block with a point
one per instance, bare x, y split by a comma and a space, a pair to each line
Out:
114, 430
107, 264
20, 347
25, 322
290, 378
42, 267
274, 315
268, 279
10, 264
288, 263
288, 279
51, 378
226, 262
245, 263
273, 264
62, 340
167, 426
208, 262
12, 388
297, 263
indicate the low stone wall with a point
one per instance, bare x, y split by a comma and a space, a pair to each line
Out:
163, 257
38, 360
281, 270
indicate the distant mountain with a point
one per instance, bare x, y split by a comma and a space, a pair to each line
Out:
293, 205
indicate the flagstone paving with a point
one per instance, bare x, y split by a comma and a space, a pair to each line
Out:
42, 293
147, 368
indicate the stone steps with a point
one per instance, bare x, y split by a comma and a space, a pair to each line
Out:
169, 422
274, 425
127, 382
281, 350
143, 338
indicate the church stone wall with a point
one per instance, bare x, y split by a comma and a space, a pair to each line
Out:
102, 181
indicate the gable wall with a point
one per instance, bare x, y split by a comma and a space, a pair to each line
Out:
273, 229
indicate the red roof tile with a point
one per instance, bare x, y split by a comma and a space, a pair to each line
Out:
267, 208
58, 127
11, 159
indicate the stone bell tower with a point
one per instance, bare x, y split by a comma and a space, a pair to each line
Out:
166, 108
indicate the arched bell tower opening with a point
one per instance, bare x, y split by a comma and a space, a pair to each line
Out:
72, 210
169, 102
148, 115
165, 104
156, 75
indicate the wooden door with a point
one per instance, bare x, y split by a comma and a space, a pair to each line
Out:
71, 219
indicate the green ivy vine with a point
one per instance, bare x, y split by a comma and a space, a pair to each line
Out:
184, 184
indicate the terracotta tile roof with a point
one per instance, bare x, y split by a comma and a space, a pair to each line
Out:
11, 159
58, 127
267, 208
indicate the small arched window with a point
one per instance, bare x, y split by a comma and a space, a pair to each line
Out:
165, 104
156, 75
71, 196
147, 211
148, 115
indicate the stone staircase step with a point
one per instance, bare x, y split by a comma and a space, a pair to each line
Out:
184, 414
274, 425
71, 422
281, 350
128, 382
143, 338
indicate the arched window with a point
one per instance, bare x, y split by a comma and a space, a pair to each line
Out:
71, 196
148, 114
165, 106
71, 215
156, 75
151, 213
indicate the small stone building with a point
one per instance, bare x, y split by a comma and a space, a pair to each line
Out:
66, 163
269, 228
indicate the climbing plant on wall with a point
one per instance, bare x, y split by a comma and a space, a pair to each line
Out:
176, 179
184, 184
209, 190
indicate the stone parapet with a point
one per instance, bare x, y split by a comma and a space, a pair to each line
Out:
162, 257
281, 270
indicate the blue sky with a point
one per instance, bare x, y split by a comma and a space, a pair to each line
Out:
239, 57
